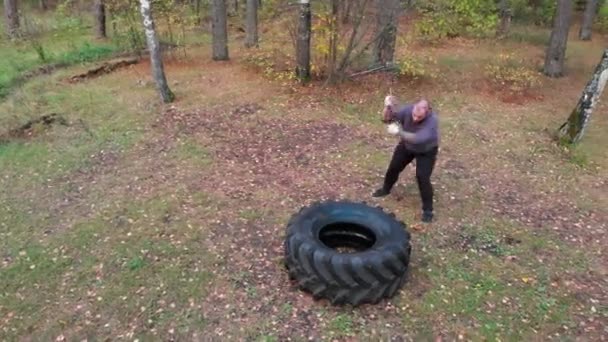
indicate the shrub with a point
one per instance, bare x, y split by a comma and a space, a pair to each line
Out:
540, 13
450, 18
416, 67
265, 62
602, 18
508, 72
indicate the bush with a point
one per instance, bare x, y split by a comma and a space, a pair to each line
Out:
415, 67
508, 72
450, 18
602, 18
544, 13
539, 14
265, 62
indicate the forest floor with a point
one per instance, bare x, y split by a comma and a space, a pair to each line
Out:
134, 220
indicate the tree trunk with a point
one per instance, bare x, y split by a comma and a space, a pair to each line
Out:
12, 18
43, 5
219, 30
303, 42
387, 20
588, 16
156, 60
251, 38
100, 19
333, 40
556, 51
505, 18
197, 10
574, 128
346, 4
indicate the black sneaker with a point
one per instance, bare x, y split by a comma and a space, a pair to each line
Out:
427, 216
381, 192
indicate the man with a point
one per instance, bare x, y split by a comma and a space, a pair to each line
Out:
419, 139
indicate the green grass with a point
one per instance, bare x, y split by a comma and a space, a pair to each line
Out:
499, 287
524, 34
453, 62
60, 149
190, 151
341, 326
119, 273
66, 45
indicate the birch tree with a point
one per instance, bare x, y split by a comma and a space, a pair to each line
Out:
156, 60
573, 129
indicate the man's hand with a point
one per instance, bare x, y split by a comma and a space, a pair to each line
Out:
397, 129
387, 114
390, 107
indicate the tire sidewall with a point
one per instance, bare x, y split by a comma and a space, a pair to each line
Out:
389, 232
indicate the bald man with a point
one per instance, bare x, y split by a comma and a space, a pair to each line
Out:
419, 139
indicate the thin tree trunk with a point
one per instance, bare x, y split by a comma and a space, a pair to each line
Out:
156, 60
220, 31
588, 16
346, 5
387, 20
43, 5
100, 19
12, 18
303, 42
556, 51
505, 18
251, 38
197, 8
333, 40
574, 128
232, 8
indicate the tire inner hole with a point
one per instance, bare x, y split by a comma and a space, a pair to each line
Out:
346, 237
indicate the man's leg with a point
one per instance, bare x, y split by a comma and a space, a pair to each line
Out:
401, 158
425, 163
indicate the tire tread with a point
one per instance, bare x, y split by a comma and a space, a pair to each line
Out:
344, 278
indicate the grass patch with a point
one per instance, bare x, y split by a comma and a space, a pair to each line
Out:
453, 62
190, 151
498, 282
98, 120
65, 48
527, 35
121, 269
341, 326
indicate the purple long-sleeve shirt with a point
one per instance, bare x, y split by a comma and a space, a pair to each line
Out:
426, 131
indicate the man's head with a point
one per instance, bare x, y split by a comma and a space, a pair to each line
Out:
421, 109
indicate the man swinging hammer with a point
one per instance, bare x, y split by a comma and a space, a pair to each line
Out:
417, 127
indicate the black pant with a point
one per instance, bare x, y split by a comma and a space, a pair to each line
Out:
425, 162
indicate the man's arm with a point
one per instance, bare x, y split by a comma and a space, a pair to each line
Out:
403, 113
392, 112
425, 135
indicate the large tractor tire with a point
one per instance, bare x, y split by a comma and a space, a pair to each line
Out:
348, 253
